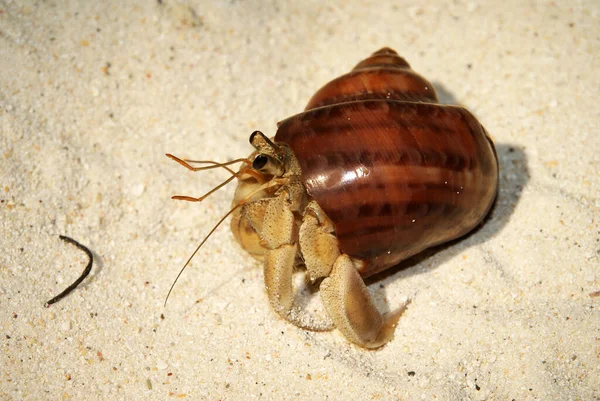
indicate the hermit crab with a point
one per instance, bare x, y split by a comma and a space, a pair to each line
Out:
374, 171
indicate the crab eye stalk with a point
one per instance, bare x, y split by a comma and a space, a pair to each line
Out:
260, 141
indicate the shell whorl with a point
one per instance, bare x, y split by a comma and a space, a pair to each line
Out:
383, 75
394, 170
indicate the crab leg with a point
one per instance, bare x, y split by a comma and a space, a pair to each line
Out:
349, 304
277, 234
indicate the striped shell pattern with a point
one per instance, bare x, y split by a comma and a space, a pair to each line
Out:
394, 170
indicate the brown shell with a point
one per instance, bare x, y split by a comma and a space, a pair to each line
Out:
384, 75
394, 170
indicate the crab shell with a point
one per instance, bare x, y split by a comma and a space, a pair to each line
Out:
393, 170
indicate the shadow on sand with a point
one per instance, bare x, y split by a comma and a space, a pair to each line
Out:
514, 176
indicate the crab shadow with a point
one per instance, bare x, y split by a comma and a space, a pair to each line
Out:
444, 95
514, 176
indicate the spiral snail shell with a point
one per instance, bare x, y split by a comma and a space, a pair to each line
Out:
395, 171
374, 171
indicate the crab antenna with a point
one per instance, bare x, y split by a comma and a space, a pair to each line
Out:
266, 185
198, 248
185, 163
206, 195
216, 164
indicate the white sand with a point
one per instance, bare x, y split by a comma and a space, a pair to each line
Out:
92, 96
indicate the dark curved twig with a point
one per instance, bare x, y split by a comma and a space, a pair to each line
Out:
85, 273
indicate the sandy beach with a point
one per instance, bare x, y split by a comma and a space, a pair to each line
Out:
92, 96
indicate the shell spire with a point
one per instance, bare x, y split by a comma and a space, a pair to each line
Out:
383, 58
383, 75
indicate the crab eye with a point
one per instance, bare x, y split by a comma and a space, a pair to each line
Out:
260, 161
